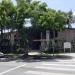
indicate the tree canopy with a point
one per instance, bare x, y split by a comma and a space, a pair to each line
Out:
44, 18
50, 19
40, 14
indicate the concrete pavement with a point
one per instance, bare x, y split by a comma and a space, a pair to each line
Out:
55, 66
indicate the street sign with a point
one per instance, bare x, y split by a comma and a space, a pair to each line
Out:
67, 45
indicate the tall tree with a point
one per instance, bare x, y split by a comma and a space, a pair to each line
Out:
22, 12
6, 14
43, 18
48, 19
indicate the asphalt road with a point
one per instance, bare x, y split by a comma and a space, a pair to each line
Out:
57, 66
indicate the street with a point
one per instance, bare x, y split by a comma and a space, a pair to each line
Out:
57, 66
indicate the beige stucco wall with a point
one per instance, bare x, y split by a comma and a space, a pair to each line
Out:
67, 35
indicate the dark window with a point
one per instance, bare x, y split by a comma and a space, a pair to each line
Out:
56, 34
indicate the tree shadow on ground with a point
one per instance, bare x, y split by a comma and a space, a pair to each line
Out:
63, 57
36, 58
41, 58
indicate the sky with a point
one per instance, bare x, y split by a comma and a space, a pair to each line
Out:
63, 5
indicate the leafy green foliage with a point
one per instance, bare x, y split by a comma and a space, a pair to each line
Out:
43, 18
7, 11
50, 19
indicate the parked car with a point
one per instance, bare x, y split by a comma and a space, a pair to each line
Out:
1, 54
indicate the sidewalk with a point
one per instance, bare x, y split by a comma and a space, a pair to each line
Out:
66, 56
39, 53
